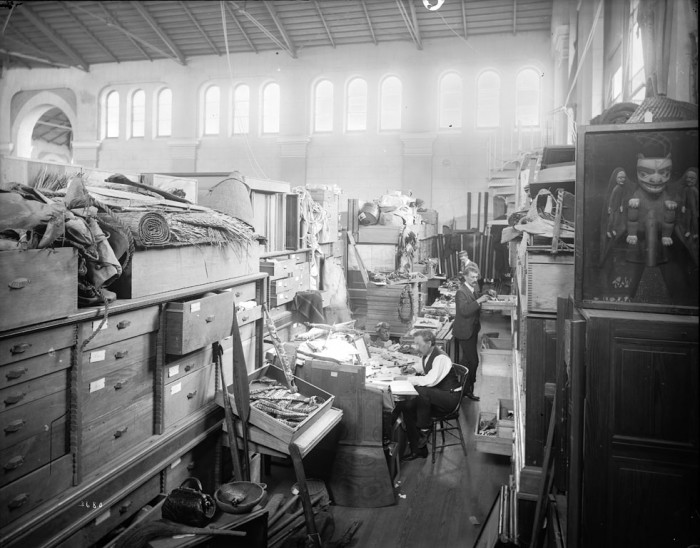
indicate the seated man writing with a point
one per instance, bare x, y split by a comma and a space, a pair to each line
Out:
438, 392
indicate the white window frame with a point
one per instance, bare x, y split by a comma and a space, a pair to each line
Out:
135, 124
360, 106
387, 109
211, 114
160, 119
265, 111
480, 122
450, 117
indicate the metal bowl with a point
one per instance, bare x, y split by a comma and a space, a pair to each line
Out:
239, 497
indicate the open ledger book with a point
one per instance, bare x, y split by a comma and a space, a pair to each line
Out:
402, 388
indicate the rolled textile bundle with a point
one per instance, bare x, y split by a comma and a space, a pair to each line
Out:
148, 228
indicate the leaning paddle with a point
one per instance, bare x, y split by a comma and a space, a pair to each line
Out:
241, 392
228, 413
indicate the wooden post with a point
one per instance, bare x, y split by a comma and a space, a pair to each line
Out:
469, 210
478, 214
486, 210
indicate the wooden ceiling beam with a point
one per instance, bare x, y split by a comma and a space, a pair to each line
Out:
57, 126
199, 27
464, 17
229, 9
21, 56
515, 17
87, 31
160, 32
264, 30
325, 25
291, 48
414, 19
409, 24
55, 38
369, 21
113, 22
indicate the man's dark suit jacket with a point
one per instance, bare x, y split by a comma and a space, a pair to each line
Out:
466, 323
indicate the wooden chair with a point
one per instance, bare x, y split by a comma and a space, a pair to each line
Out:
449, 422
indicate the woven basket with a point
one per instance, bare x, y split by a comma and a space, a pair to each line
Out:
664, 109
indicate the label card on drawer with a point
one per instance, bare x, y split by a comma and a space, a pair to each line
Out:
174, 370
97, 385
102, 517
175, 388
97, 356
96, 325
174, 464
195, 307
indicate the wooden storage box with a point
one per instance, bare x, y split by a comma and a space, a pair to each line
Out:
193, 324
37, 285
277, 268
189, 393
180, 366
378, 235
504, 303
505, 419
491, 444
154, 271
274, 427
548, 278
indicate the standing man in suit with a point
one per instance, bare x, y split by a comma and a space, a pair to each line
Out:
466, 325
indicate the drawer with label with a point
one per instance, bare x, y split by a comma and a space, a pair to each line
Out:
29, 391
193, 324
180, 366
26, 421
187, 394
121, 326
100, 362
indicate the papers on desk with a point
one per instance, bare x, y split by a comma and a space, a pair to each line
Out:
402, 388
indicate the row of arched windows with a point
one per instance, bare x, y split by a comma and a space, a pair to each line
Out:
450, 106
136, 107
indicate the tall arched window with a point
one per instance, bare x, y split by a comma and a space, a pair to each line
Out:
357, 105
241, 109
138, 113
488, 112
527, 98
212, 110
271, 108
112, 114
450, 96
390, 103
323, 106
164, 116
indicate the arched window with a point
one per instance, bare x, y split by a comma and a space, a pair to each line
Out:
241, 109
527, 98
390, 104
271, 108
357, 105
112, 114
138, 113
164, 116
323, 106
488, 112
450, 95
212, 110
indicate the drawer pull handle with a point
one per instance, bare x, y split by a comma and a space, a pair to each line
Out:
14, 462
124, 508
16, 373
209, 319
244, 319
187, 368
190, 466
19, 348
120, 385
123, 324
15, 426
119, 433
191, 395
238, 293
121, 354
11, 400
18, 501
19, 283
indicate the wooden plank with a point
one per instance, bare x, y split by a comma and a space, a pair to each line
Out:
363, 270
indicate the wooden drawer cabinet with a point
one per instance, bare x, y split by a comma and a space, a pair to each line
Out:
37, 285
250, 315
283, 285
178, 367
114, 515
28, 455
198, 462
29, 391
21, 348
121, 326
109, 436
277, 268
245, 292
28, 420
21, 496
188, 394
193, 324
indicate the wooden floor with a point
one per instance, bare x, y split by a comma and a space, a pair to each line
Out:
439, 498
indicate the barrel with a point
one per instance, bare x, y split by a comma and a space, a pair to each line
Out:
369, 214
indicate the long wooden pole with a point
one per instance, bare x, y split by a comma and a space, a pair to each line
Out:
469, 210
486, 209
478, 213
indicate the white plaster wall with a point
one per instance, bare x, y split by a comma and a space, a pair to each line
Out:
364, 165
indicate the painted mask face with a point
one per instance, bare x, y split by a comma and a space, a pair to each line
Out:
653, 173
691, 178
621, 178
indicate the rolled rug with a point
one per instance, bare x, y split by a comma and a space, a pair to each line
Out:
148, 228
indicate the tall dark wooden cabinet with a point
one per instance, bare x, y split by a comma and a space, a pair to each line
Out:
640, 439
